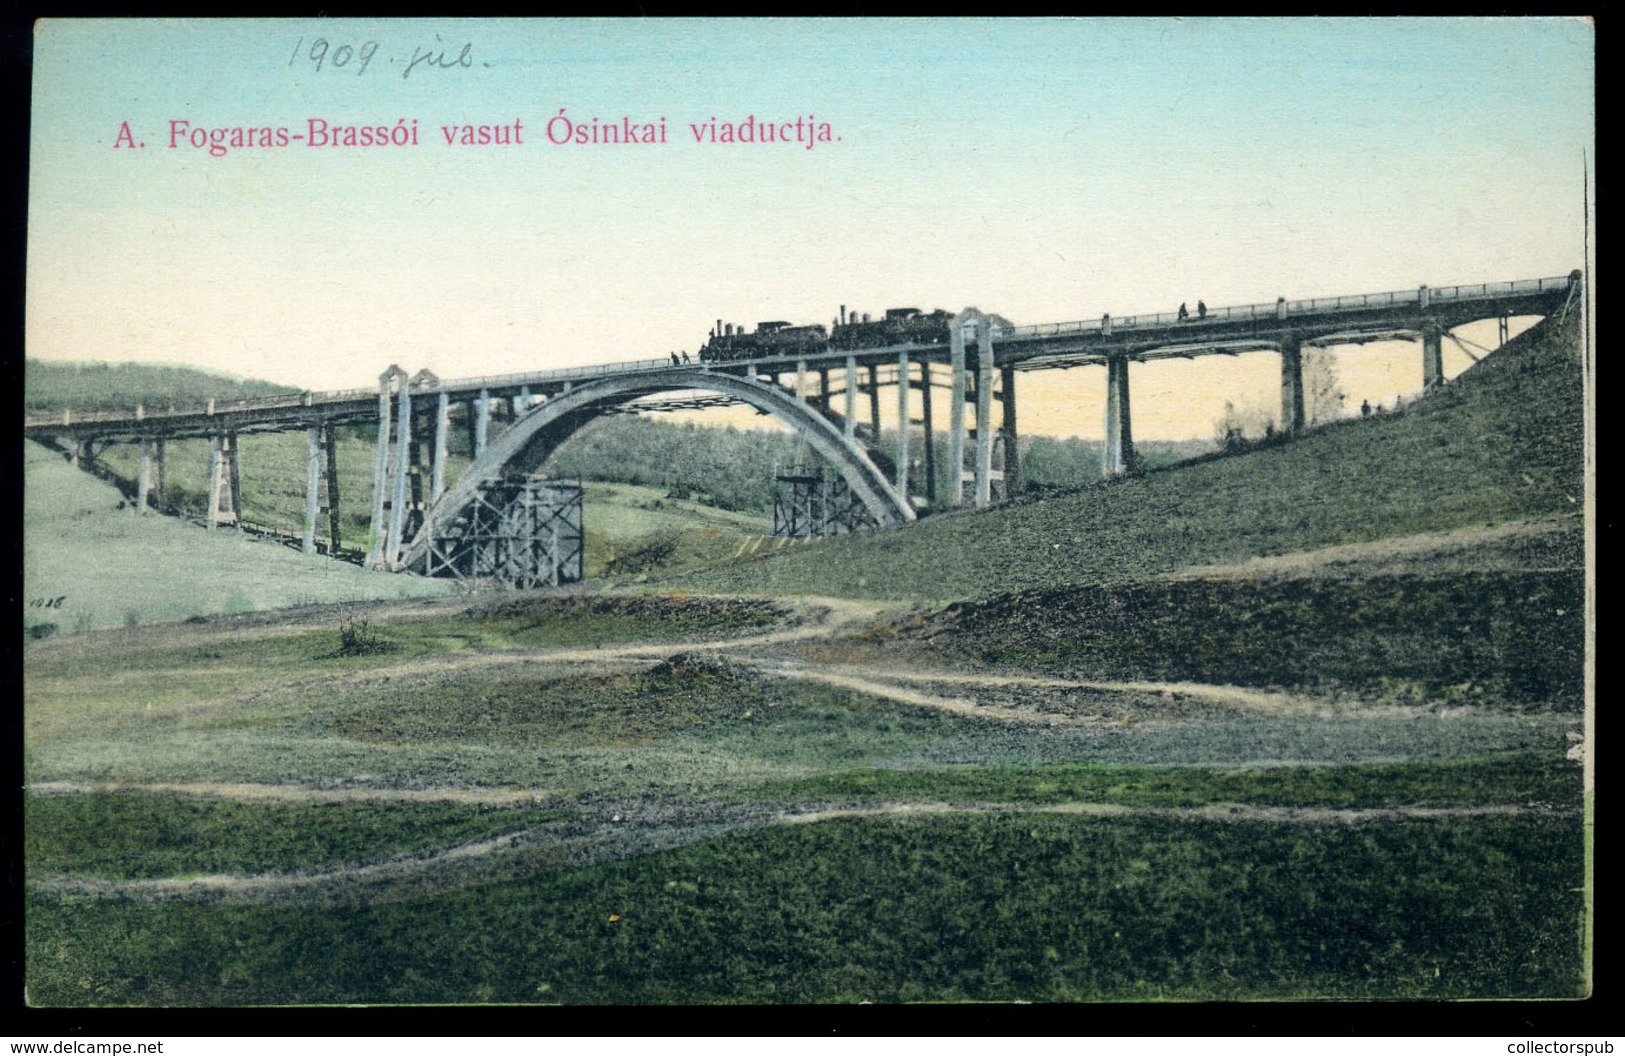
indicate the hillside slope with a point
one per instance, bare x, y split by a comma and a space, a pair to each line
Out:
1501, 443
49, 386
90, 561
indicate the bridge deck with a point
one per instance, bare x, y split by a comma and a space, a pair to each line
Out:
1222, 331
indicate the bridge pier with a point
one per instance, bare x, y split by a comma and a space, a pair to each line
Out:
956, 414
215, 455
801, 380
1432, 354
235, 462
143, 475
442, 422
334, 520
984, 414
160, 467
313, 487
874, 401
403, 455
930, 434
823, 389
1292, 408
380, 471
902, 425
849, 427
1012, 449
1118, 458
482, 422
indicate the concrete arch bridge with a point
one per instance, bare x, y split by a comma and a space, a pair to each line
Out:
832, 398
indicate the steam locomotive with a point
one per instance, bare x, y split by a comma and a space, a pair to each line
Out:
899, 326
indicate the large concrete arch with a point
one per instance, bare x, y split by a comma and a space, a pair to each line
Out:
531, 441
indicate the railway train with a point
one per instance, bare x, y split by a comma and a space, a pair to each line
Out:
899, 326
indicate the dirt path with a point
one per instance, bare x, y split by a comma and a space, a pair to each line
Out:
1474, 549
957, 705
1211, 812
879, 681
814, 618
1239, 696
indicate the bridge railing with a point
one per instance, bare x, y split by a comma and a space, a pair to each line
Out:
1500, 289
499, 381
1484, 290
1346, 302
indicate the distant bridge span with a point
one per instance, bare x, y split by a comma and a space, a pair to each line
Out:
411, 495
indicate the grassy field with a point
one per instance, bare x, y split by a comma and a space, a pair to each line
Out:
994, 757
1506, 638
1039, 908
479, 813
89, 563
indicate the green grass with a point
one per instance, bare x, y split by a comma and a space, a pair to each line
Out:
1036, 908
113, 567
1493, 638
1518, 778
604, 710
1502, 442
129, 836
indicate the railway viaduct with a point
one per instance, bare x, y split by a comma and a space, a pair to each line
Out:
833, 400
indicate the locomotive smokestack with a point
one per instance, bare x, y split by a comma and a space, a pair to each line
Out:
843, 315
719, 327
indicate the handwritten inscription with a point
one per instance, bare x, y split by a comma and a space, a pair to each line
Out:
323, 53
356, 56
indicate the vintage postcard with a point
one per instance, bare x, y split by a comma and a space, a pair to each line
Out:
808, 511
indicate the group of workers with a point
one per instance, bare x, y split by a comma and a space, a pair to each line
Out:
1184, 313
678, 359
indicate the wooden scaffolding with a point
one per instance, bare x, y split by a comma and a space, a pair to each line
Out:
813, 503
525, 533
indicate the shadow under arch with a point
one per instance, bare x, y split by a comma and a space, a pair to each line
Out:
532, 440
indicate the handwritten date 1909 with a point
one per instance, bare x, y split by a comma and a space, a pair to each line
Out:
324, 53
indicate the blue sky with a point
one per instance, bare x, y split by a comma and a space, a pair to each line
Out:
1045, 169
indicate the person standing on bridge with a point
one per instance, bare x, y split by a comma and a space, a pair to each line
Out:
674, 360
1201, 310
1183, 313
685, 356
